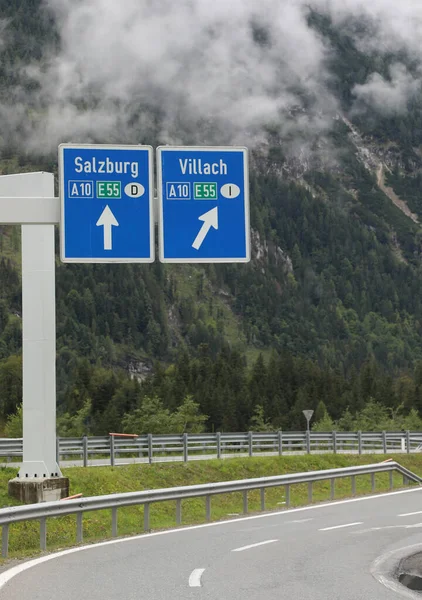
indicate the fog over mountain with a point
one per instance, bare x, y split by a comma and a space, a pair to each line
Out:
196, 71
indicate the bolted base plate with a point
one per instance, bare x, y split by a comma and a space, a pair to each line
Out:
32, 490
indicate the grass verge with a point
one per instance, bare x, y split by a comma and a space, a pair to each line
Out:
61, 532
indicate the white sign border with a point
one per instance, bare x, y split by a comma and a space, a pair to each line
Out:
245, 152
93, 260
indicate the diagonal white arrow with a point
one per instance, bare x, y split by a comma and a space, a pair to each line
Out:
107, 220
210, 219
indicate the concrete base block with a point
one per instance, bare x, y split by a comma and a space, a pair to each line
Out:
38, 489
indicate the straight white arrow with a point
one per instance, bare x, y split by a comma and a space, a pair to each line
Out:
210, 219
107, 220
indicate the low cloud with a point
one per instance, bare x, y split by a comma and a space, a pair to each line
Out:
195, 71
388, 96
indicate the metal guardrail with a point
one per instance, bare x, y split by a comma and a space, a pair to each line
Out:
155, 448
79, 506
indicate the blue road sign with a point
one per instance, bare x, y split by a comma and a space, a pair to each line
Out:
106, 203
203, 195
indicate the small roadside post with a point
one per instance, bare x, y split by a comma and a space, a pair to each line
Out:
308, 416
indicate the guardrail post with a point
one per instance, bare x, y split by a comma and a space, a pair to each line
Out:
218, 442
85, 450
384, 442
405, 480
250, 443
287, 492
79, 528
5, 540
114, 521
360, 442
43, 533
245, 502
332, 488
208, 508
353, 478
391, 480
112, 450
185, 447
310, 491
308, 441
178, 512
373, 482
150, 448
335, 442
280, 443
146, 516
57, 450
262, 494
408, 442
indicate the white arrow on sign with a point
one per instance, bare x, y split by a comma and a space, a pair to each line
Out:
107, 220
210, 219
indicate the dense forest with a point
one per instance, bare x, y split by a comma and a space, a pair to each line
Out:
328, 314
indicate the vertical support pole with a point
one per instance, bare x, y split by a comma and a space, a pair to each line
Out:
178, 512
250, 443
208, 508
245, 502
308, 441
335, 442
79, 527
85, 450
353, 478
280, 443
373, 482
58, 450
146, 516
150, 448
5, 540
332, 488
360, 442
310, 489
218, 441
391, 480
408, 442
39, 333
287, 491
112, 457
43, 533
405, 480
384, 442
262, 494
114, 521
185, 447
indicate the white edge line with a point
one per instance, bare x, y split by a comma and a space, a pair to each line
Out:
341, 526
195, 578
6, 576
418, 512
254, 545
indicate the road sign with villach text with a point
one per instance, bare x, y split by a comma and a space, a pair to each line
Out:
107, 199
203, 195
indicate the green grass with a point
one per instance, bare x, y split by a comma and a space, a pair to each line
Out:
24, 537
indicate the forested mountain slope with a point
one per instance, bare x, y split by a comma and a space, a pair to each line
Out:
332, 297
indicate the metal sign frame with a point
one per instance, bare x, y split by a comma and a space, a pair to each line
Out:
111, 147
160, 192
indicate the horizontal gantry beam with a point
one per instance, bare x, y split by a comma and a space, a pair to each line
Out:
29, 211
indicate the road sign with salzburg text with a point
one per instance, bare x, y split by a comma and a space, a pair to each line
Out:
203, 196
107, 199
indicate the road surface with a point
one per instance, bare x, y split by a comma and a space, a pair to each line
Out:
337, 551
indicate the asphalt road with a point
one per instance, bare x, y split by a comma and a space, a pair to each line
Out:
337, 551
